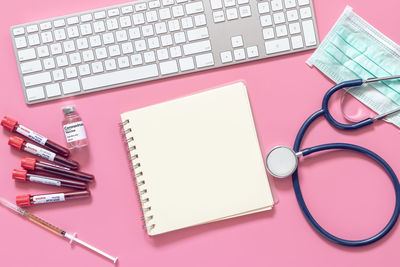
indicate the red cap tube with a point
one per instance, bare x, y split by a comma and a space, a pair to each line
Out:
13, 126
41, 166
21, 144
23, 175
28, 200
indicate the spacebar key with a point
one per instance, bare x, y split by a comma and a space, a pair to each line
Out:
118, 77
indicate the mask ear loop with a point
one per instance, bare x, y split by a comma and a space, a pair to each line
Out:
359, 116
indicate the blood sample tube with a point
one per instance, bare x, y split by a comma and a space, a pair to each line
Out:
23, 175
21, 144
36, 165
28, 200
14, 126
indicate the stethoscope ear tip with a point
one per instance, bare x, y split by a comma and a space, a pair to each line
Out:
281, 161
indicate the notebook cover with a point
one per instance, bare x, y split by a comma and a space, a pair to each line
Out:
200, 159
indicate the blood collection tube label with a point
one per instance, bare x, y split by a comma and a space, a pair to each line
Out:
48, 198
43, 180
54, 165
39, 151
74, 131
31, 135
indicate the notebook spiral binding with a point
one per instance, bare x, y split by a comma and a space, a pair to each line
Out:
134, 166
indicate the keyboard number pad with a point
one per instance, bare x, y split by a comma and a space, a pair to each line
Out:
286, 25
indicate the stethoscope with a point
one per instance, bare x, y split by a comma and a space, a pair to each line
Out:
282, 161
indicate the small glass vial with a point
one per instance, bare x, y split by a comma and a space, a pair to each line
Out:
74, 129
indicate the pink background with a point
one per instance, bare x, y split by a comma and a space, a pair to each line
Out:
348, 194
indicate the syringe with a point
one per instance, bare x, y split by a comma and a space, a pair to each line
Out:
52, 228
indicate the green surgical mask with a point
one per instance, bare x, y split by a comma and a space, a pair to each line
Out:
354, 49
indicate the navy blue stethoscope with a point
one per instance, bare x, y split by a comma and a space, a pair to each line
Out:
282, 161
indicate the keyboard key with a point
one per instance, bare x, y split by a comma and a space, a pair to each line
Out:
127, 9
164, 13
62, 61
309, 33
294, 28
108, 38
69, 46
147, 30
281, 30
303, 2
252, 51
86, 29
138, 19
279, 18
71, 86
26, 54
95, 41
200, 20
140, 7
45, 26
186, 63
149, 57
136, 59
161, 27
123, 62
179, 37
59, 23
276, 46
118, 77
266, 20
134, 33
290, 3
216, 4
263, 7
82, 43
168, 67
166, 40
31, 66
100, 15
99, 26
151, 16
297, 42
60, 35
154, 4
101, 53
154, 42
292, 15
231, 13
237, 41
87, 55
198, 47
177, 11
239, 54
245, 11
84, 70
58, 75
276, 5
187, 23
110, 64
113, 12
268, 33
113, 50
226, 57
35, 93
20, 42
32, 28
97, 67
175, 51
229, 3
71, 72
197, 34
47, 37
35, 79
33, 39
162, 54
112, 24
73, 31
72, 20
219, 16
168, 2
43, 51
18, 31
305, 12
141, 45
55, 49
49, 63
86, 17
194, 7
75, 58
204, 60
53, 90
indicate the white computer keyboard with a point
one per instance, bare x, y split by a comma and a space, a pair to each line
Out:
147, 40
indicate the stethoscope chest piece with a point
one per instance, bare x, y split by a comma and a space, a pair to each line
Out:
281, 161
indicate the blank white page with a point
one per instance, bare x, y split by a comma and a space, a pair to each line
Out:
200, 159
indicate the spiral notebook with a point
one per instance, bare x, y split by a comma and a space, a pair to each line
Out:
197, 159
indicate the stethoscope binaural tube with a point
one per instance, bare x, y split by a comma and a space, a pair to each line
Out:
277, 154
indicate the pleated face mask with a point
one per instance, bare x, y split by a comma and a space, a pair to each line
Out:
354, 49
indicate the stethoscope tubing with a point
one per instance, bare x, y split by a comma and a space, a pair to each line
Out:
304, 152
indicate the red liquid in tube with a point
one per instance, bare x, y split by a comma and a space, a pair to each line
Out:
23, 175
41, 166
29, 200
21, 144
14, 126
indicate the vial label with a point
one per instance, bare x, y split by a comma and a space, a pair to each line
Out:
55, 166
32, 135
74, 131
48, 198
43, 180
38, 151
